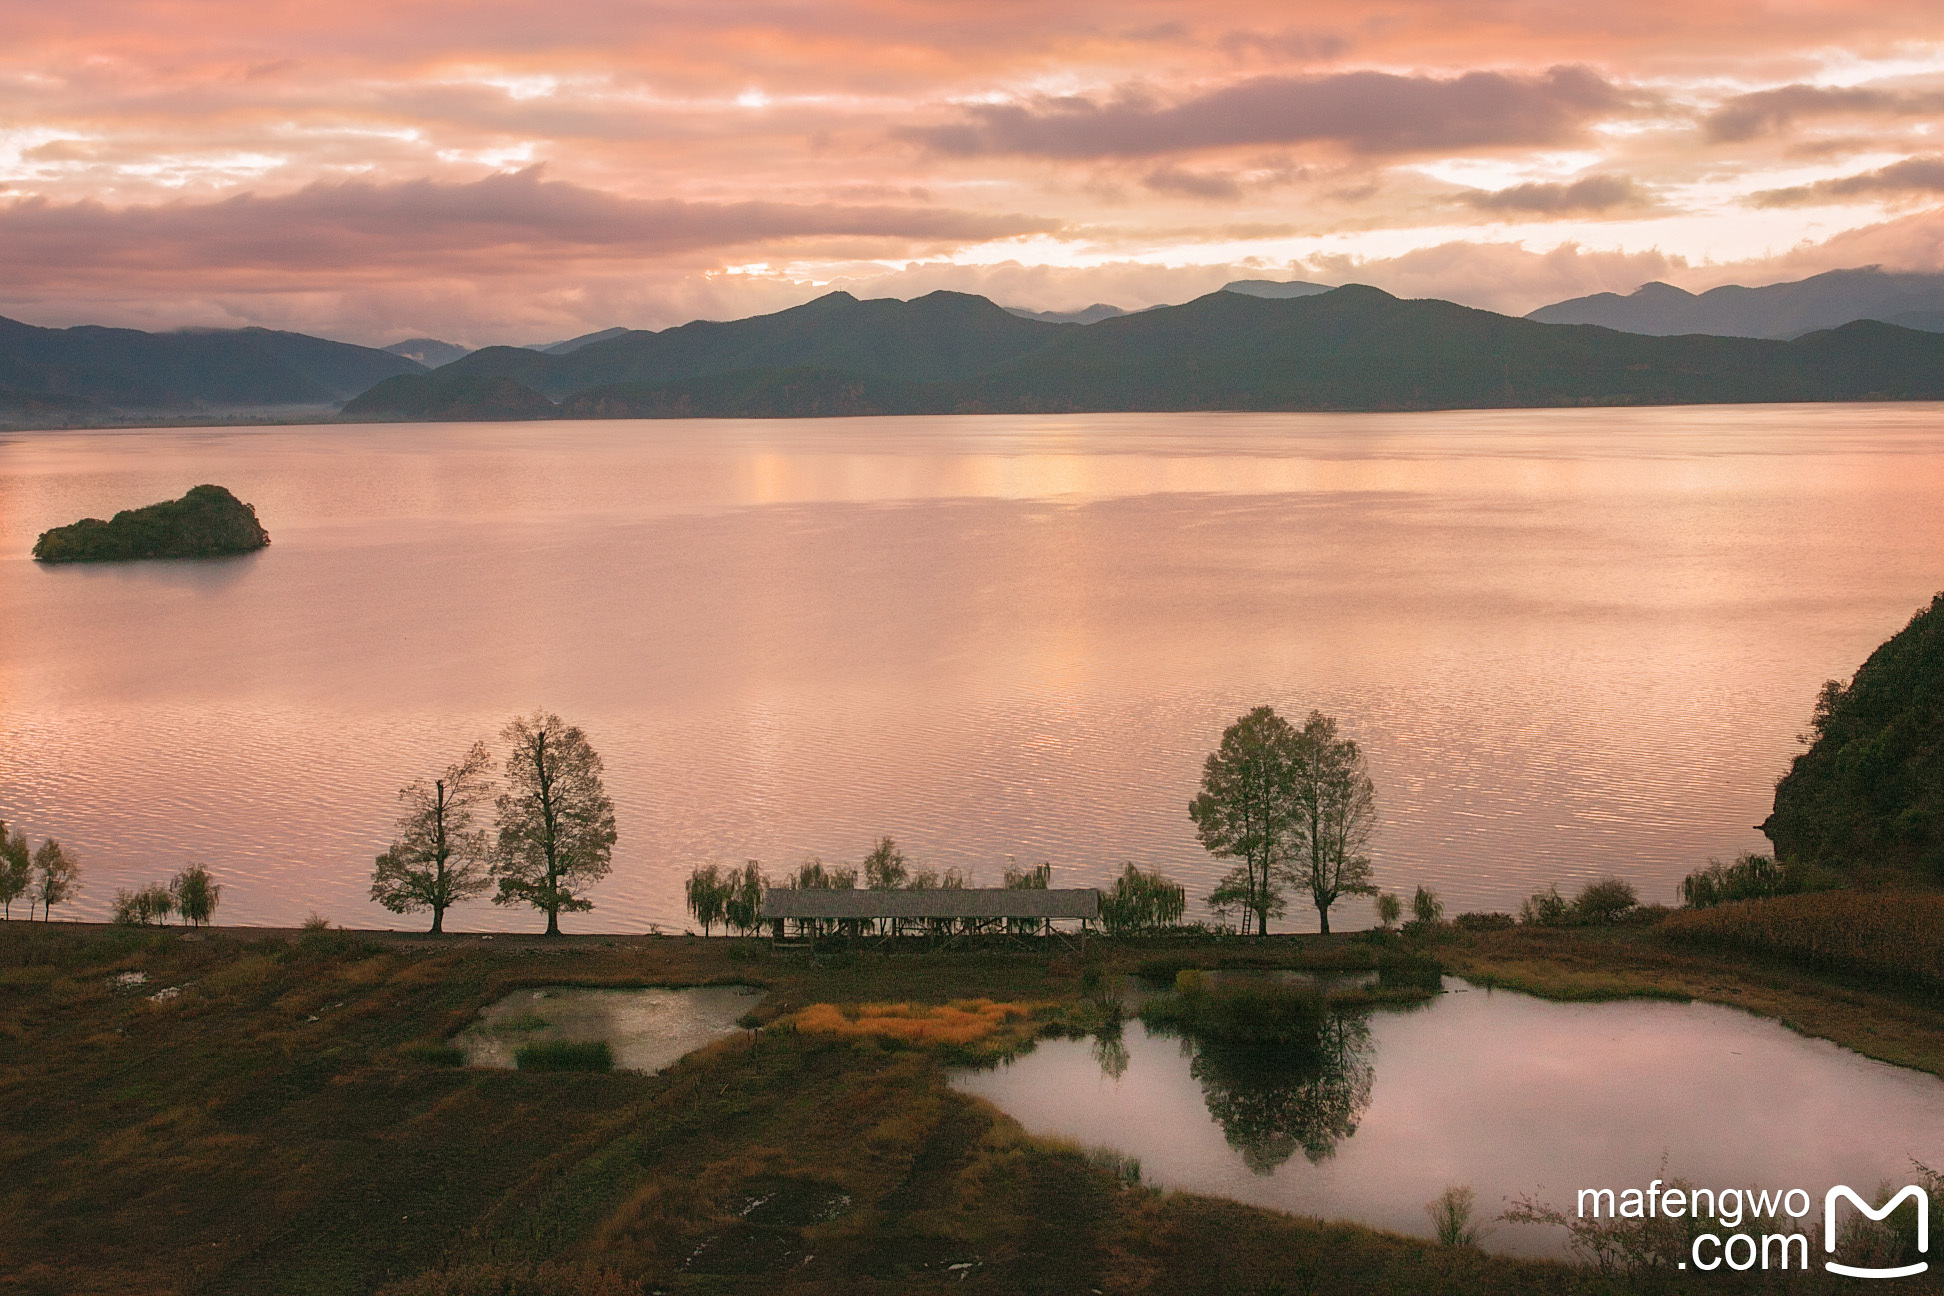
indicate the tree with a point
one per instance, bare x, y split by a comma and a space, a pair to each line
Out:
1336, 813
439, 856
1141, 902
814, 875
709, 891
1246, 810
1426, 909
743, 909
1389, 910
1036, 878
60, 877
16, 869
141, 907
556, 823
196, 896
1605, 901
884, 867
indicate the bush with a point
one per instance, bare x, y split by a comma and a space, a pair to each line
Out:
565, 1055
1602, 903
1410, 974
1753, 877
1546, 909
140, 908
1482, 922
1451, 1216
1252, 1013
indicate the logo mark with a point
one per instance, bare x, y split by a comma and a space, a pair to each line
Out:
1911, 1193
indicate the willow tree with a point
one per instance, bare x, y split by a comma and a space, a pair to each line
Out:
1335, 814
1246, 811
556, 823
195, 895
440, 854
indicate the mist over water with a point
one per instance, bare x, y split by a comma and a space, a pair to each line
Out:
1573, 642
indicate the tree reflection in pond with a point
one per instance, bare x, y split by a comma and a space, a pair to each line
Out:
1272, 1102
1110, 1050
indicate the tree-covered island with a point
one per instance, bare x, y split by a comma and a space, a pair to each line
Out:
208, 522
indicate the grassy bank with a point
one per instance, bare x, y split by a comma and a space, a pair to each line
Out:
1878, 1015
229, 1112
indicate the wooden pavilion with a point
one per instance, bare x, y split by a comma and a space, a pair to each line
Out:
943, 913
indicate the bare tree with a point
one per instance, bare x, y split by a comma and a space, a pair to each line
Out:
439, 857
1246, 810
1336, 813
556, 823
59, 877
16, 870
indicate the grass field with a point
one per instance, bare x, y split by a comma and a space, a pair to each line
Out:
290, 1120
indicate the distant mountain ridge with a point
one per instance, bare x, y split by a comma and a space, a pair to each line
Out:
89, 373
1782, 310
430, 352
1350, 348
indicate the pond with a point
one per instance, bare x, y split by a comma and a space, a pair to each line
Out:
1501, 1092
647, 1029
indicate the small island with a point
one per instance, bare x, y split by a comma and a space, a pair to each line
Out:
207, 522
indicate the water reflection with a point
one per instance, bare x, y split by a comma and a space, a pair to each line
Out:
1110, 1050
1508, 1095
1270, 1103
1574, 642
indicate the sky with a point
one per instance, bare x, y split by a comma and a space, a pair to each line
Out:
510, 171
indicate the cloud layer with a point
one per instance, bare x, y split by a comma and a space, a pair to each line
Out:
506, 173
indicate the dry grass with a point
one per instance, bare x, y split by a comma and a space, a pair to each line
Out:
220, 1144
966, 1021
1892, 936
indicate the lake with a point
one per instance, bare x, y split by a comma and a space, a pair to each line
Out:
1572, 642
1506, 1094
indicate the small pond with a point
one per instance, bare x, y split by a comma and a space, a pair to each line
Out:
1502, 1092
647, 1029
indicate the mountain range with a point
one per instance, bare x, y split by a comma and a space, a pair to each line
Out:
1256, 344
90, 374
1782, 310
1350, 348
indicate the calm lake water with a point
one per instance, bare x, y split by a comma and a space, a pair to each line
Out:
647, 1029
1509, 1095
1573, 642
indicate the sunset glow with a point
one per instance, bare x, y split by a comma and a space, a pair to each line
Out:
507, 172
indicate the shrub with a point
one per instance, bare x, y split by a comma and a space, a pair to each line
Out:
1251, 1013
1482, 922
565, 1055
1546, 909
1602, 903
1410, 974
140, 908
1451, 1216
1753, 877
